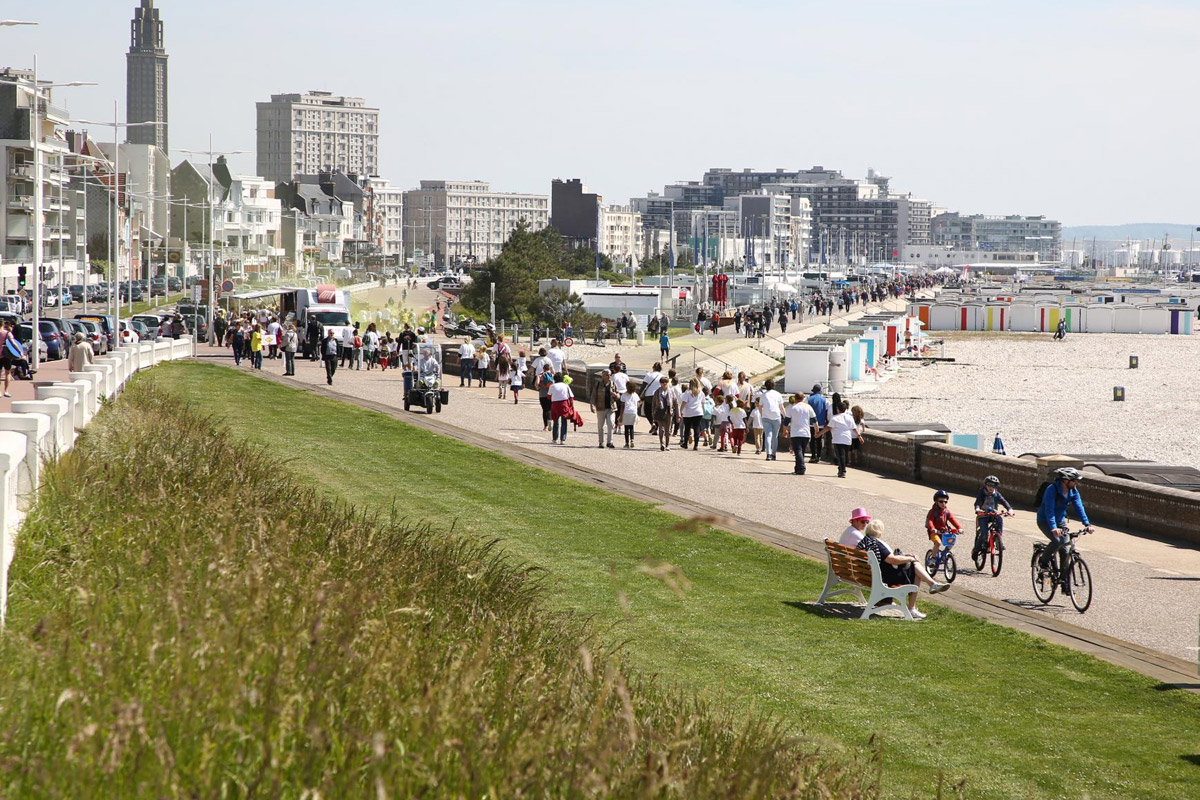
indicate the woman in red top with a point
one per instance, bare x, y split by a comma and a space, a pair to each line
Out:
939, 520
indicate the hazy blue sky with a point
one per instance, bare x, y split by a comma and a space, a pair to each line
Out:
1084, 111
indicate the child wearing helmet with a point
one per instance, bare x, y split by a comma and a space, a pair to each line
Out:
939, 520
988, 503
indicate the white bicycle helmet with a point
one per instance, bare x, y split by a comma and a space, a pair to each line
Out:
1068, 473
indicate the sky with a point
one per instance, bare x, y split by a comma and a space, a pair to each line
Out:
1082, 111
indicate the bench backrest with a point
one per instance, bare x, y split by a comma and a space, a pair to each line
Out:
849, 563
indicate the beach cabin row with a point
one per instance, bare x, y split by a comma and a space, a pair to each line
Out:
1041, 316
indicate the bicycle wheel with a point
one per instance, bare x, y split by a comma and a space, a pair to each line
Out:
931, 565
980, 559
1044, 585
951, 570
1081, 584
997, 555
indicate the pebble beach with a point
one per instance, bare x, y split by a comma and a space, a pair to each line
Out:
1046, 396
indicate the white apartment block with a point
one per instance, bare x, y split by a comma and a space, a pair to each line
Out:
384, 209
248, 224
620, 233
462, 222
305, 134
63, 232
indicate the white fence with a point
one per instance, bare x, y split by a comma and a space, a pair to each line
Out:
40, 430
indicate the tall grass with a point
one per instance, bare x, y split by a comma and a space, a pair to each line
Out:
188, 620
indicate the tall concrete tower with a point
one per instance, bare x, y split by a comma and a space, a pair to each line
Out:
146, 78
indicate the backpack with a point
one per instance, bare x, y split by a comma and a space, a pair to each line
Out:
1041, 492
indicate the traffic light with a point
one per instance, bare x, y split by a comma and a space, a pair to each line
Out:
21, 276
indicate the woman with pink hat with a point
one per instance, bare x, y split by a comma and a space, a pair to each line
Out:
854, 534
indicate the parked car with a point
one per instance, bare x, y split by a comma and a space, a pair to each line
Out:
66, 298
48, 298
153, 324
107, 324
95, 334
195, 317
77, 292
174, 284
129, 334
158, 287
143, 332
25, 334
64, 333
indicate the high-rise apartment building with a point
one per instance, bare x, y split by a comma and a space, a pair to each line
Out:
305, 134
146, 78
574, 211
465, 221
1013, 234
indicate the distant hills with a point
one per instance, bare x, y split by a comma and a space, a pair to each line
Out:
1179, 234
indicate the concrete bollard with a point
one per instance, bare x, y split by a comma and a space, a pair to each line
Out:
114, 373
36, 430
94, 380
55, 409
105, 373
71, 394
85, 398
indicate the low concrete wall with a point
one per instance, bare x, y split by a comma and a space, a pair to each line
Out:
889, 453
963, 469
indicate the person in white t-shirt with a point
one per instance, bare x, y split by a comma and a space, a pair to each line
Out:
770, 405
720, 421
466, 363
630, 403
737, 425
620, 381
844, 431
650, 385
539, 363
854, 534
802, 421
557, 357
705, 382
693, 413
561, 408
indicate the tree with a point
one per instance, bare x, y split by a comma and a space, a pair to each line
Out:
524, 260
97, 247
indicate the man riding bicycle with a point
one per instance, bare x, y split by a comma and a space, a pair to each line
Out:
1060, 496
988, 503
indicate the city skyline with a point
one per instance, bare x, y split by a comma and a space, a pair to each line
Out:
1067, 111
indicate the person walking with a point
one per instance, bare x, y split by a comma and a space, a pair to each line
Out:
629, 403
329, 352
844, 430
770, 404
274, 329
545, 379
6, 356
562, 409
801, 425
291, 342
256, 346
664, 408
820, 407
664, 346
603, 403
466, 363
80, 355
693, 413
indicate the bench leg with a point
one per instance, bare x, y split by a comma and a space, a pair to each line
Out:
830, 590
881, 593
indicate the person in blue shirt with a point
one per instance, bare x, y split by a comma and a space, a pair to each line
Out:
988, 505
820, 407
1060, 497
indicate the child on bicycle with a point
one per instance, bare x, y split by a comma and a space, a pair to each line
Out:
939, 520
988, 503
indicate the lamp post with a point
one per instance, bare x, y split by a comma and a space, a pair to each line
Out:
212, 264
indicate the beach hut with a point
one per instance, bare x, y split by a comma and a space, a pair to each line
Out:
856, 359
996, 315
972, 317
1046, 313
1021, 316
1100, 318
805, 365
1155, 319
945, 317
1126, 318
1181, 321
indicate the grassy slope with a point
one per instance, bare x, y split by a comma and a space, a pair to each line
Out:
1010, 714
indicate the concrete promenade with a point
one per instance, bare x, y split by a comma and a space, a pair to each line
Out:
1146, 591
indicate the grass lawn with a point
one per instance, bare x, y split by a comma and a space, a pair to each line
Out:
951, 698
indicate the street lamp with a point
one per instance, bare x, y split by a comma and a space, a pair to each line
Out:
212, 267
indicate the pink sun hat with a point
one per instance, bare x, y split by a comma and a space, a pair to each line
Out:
860, 513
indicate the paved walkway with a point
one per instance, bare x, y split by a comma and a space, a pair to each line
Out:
1146, 592
23, 390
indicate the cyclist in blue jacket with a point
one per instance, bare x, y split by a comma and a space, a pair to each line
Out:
1060, 497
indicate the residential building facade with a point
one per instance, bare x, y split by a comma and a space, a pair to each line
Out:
316, 132
463, 222
1013, 233
620, 233
575, 212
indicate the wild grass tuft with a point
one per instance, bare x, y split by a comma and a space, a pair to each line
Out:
188, 619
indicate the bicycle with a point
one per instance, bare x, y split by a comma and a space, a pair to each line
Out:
945, 559
994, 551
1047, 581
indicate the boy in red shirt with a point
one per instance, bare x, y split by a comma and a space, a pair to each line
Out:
939, 520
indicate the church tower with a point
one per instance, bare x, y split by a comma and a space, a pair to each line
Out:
146, 78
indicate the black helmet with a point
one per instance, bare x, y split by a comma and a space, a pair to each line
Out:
991, 480
1068, 473
941, 494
